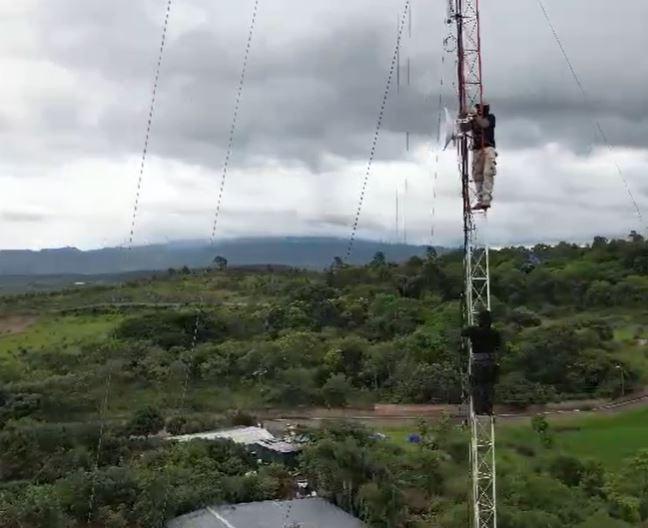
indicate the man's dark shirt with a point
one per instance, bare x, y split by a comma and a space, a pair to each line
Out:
488, 133
485, 341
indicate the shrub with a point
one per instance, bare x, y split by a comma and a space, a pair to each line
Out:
145, 422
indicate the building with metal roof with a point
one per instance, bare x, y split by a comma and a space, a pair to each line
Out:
276, 451
240, 435
298, 513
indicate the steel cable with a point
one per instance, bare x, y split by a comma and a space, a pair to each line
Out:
233, 125
138, 192
221, 189
376, 136
597, 125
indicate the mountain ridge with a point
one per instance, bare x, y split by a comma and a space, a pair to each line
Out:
302, 252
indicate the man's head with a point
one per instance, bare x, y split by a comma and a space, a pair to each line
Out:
484, 318
483, 108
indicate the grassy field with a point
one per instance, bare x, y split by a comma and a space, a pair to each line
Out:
59, 330
47, 332
608, 438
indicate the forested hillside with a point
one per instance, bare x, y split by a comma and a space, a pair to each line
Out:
192, 346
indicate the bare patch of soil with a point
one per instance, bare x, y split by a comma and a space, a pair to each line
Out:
16, 324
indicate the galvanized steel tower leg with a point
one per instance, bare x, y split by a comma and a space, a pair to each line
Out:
465, 14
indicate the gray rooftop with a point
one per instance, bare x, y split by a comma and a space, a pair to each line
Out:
240, 435
305, 513
279, 446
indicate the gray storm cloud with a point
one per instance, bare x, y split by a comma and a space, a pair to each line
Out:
74, 104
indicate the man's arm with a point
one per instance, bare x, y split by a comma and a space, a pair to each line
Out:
482, 122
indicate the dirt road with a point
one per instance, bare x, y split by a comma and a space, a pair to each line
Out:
395, 415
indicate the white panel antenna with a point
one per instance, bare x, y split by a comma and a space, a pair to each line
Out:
448, 130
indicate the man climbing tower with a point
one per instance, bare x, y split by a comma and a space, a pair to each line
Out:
484, 161
486, 343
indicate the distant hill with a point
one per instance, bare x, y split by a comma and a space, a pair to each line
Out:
302, 252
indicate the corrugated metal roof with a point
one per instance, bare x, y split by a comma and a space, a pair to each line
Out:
279, 446
240, 435
305, 513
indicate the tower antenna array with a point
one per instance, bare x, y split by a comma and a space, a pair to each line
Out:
465, 15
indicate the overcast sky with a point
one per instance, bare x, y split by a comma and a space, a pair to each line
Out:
77, 78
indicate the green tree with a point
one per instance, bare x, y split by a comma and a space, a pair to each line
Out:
337, 264
171, 329
336, 391
145, 422
113, 518
390, 316
381, 504
593, 478
155, 490
294, 386
425, 383
566, 468
379, 364
523, 317
602, 519
20, 455
176, 425
599, 242
600, 293
635, 237
378, 259
346, 356
541, 427
33, 506
220, 263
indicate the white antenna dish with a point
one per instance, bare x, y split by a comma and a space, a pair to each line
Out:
448, 130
